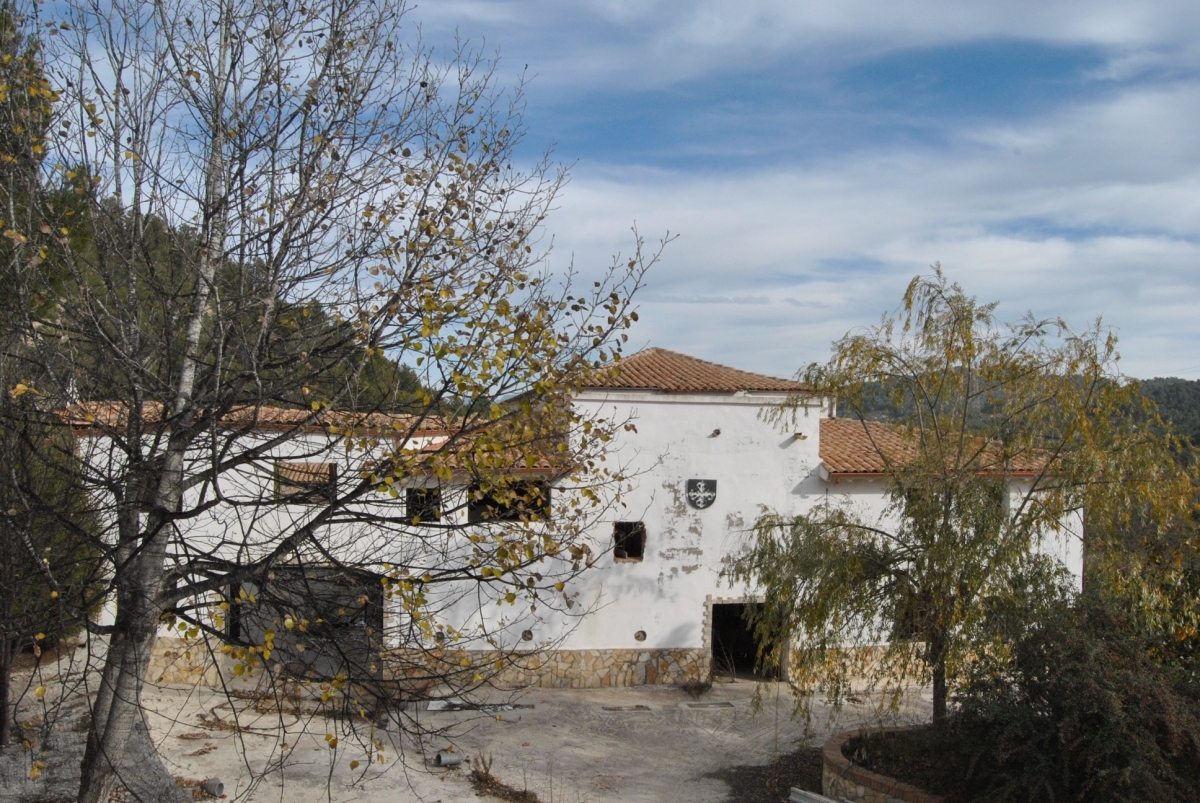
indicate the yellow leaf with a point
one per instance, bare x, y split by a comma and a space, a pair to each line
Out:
353, 765
39, 692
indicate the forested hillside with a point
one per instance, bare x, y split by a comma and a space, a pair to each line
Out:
1178, 401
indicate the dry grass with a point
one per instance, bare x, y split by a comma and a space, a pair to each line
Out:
484, 783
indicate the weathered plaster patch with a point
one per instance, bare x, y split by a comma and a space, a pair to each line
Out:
671, 554
677, 505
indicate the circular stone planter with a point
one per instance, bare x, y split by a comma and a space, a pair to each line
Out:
842, 778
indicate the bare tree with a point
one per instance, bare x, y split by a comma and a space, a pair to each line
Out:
244, 216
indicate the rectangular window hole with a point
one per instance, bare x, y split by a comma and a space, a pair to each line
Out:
629, 541
423, 505
520, 500
625, 708
722, 704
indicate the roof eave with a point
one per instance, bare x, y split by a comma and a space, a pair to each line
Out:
837, 476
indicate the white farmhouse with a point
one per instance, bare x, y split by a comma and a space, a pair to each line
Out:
702, 462
705, 462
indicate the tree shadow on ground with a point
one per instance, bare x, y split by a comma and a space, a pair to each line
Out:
770, 783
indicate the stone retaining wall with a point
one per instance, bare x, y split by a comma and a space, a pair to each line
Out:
841, 778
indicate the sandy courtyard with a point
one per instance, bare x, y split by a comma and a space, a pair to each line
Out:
642, 744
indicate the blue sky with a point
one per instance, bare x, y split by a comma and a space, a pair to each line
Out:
813, 157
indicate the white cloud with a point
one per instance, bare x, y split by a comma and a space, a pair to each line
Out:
654, 43
1099, 214
1091, 210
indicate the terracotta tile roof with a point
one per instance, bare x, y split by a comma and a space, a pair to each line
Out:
672, 372
850, 447
461, 455
99, 415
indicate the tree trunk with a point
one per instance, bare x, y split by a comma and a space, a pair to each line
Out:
7, 654
937, 660
139, 605
939, 690
118, 701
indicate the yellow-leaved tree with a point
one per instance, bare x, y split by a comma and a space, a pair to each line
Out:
997, 443
283, 273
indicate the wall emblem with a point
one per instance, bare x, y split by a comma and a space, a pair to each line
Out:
701, 493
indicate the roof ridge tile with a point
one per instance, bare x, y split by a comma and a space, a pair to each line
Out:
656, 368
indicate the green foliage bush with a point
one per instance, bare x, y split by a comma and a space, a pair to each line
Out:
1083, 709
52, 579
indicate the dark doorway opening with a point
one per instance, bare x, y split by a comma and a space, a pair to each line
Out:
324, 620
734, 649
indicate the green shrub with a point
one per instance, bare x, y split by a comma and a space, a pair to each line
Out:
1081, 710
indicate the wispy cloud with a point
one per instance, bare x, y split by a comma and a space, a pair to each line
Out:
814, 156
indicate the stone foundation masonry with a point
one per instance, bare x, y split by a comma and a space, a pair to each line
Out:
175, 661
594, 669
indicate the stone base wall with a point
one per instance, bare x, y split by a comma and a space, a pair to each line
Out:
552, 669
842, 779
596, 669
175, 661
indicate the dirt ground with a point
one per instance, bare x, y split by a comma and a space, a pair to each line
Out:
636, 744
572, 746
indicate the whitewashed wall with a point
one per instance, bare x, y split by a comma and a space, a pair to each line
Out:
754, 463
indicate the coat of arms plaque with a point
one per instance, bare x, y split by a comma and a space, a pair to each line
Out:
701, 493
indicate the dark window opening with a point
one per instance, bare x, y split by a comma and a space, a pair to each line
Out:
629, 540
325, 620
734, 645
424, 505
525, 500
305, 483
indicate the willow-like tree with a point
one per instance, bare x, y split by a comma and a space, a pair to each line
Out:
994, 439
212, 174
